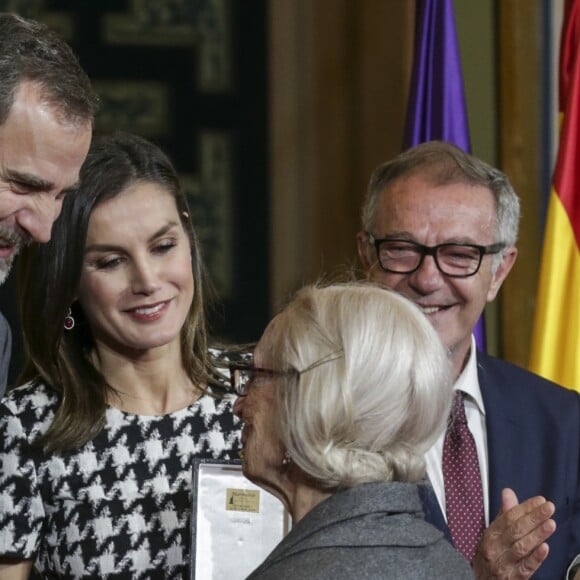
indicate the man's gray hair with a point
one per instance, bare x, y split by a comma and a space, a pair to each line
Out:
444, 164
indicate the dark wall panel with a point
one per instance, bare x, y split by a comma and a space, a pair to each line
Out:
191, 76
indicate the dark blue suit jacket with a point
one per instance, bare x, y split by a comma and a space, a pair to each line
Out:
533, 438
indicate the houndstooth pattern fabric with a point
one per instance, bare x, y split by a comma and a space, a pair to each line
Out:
120, 506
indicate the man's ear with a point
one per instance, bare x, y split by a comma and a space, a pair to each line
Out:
509, 258
363, 246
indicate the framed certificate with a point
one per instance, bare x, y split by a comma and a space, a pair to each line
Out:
234, 523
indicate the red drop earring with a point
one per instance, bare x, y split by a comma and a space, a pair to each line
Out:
69, 321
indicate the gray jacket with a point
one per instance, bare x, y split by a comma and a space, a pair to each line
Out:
374, 530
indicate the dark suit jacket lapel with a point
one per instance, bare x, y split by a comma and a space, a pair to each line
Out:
506, 451
433, 513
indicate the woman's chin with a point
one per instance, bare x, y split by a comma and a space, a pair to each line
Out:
251, 471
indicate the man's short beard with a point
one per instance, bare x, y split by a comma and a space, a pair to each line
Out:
20, 240
5, 267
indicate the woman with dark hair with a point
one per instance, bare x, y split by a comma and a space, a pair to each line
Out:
121, 392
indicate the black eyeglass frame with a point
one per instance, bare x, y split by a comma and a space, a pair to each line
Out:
241, 389
432, 251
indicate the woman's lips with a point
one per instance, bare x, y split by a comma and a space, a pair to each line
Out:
149, 312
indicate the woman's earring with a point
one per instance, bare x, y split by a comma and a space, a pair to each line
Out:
287, 460
69, 321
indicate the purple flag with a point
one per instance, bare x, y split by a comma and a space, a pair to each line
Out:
436, 109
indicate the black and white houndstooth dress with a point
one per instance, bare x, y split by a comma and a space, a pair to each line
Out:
119, 506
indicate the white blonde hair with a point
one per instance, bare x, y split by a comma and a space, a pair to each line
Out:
379, 402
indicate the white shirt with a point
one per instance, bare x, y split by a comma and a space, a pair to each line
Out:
468, 383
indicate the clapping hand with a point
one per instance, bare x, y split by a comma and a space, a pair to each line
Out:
514, 545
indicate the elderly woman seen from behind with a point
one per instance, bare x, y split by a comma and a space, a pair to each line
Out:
349, 387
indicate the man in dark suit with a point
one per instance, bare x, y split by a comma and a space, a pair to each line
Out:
440, 227
47, 108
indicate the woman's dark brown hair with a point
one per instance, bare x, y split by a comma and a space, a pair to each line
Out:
49, 278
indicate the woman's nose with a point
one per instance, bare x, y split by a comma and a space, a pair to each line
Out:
145, 280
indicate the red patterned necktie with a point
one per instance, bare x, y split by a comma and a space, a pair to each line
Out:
462, 478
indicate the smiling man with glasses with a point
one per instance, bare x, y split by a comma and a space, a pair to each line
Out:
440, 227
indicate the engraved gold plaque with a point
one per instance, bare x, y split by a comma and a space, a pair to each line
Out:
242, 500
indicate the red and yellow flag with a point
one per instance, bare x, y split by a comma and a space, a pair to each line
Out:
555, 350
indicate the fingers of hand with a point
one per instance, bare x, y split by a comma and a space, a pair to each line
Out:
528, 566
514, 544
527, 517
509, 499
522, 570
524, 532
